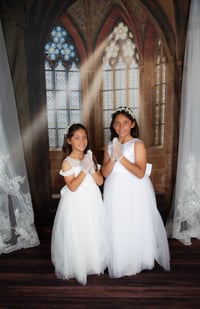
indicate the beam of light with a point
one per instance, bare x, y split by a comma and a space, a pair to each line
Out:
92, 64
37, 126
39, 123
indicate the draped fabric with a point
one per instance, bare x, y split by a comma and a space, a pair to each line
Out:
17, 228
184, 220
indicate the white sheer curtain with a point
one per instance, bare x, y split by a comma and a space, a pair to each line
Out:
17, 228
184, 220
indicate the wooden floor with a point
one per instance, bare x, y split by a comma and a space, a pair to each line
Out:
27, 280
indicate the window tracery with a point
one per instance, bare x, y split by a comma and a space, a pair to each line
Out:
63, 90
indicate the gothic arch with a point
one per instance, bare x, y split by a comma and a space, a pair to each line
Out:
76, 37
129, 20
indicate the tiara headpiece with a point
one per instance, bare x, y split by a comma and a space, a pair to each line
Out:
124, 109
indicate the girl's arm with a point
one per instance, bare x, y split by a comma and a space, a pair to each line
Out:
139, 167
71, 181
98, 178
107, 164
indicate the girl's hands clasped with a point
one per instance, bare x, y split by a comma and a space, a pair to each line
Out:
116, 154
87, 164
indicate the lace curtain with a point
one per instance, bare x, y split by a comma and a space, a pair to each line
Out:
184, 220
17, 228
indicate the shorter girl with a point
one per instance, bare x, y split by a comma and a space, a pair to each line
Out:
78, 246
136, 233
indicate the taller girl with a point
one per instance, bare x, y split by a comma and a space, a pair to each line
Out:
136, 233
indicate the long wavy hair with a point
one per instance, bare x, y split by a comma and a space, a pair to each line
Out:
126, 111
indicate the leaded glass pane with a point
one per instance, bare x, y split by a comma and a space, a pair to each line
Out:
75, 116
74, 81
157, 92
107, 67
61, 98
61, 133
134, 98
133, 65
162, 135
60, 77
136, 113
134, 78
52, 138
162, 113
120, 98
164, 72
51, 119
158, 60
47, 65
163, 93
157, 76
120, 65
62, 118
106, 136
120, 80
60, 66
107, 116
50, 99
157, 112
107, 80
74, 100
160, 94
156, 135
107, 100
49, 80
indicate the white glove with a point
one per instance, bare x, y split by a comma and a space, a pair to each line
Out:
113, 155
89, 154
116, 150
87, 162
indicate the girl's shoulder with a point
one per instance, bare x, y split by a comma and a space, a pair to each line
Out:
135, 140
66, 168
66, 164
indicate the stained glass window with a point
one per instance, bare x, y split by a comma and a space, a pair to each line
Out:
120, 75
159, 94
63, 90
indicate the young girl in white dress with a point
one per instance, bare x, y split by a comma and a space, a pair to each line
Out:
136, 233
78, 246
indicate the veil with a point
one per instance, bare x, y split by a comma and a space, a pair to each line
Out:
17, 228
184, 220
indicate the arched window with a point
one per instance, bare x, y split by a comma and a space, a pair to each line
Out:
120, 75
63, 91
159, 94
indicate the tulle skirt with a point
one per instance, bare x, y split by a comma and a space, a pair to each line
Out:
136, 233
79, 246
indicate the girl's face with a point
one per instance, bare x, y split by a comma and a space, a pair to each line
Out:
79, 140
122, 126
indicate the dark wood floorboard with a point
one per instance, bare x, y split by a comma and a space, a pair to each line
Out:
27, 281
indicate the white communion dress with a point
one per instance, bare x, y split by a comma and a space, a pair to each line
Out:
78, 246
136, 233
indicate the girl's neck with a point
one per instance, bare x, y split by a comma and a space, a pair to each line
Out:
126, 139
77, 155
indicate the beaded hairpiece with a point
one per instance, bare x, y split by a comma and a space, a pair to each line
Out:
124, 109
